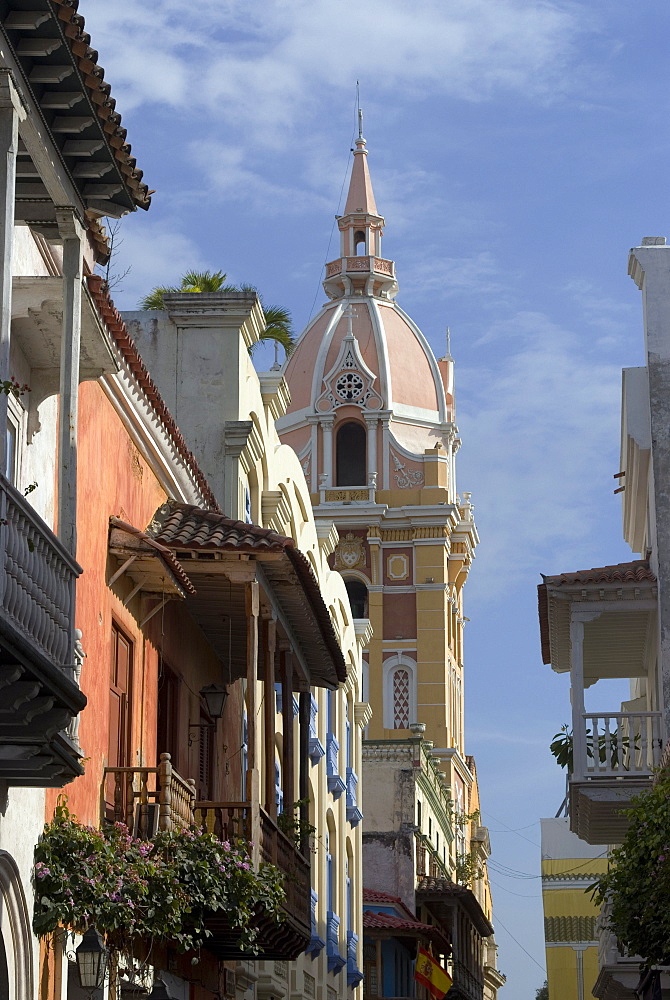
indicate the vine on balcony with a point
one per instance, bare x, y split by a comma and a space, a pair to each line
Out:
159, 890
638, 881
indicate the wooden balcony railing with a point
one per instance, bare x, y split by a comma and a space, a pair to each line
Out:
229, 820
147, 799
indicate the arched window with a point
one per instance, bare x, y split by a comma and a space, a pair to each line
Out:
358, 598
399, 692
359, 243
351, 459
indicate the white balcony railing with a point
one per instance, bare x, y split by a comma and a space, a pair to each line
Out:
618, 745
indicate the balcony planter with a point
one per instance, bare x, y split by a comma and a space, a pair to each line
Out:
147, 891
336, 961
316, 943
354, 974
336, 784
354, 814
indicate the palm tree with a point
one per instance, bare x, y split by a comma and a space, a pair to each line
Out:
192, 281
277, 320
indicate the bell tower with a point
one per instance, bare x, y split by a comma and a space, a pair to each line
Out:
372, 419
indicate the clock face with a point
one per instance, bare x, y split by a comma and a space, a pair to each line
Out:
349, 386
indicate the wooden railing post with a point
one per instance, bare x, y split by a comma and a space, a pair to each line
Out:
165, 793
269, 717
288, 756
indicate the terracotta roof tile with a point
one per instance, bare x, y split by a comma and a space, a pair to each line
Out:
131, 356
99, 92
188, 527
384, 899
184, 526
629, 572
429, 886
636, 571
165, 554
402, 926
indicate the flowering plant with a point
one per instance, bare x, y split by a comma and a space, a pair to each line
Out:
159, 890
637, 884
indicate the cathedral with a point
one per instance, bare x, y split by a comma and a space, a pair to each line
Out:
372, 419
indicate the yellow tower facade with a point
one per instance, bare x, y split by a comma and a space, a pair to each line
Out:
372, 419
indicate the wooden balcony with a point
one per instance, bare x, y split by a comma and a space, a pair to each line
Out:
40, 696
148, 799
615, 757
288, 938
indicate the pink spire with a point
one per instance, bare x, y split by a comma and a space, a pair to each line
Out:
361, 196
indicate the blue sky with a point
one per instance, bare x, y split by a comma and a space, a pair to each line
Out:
518, 148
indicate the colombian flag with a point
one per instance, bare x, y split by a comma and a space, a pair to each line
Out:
430, 974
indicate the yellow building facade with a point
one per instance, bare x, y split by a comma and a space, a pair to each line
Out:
569, 867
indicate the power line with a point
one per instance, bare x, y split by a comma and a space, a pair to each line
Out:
541, 967
522, 895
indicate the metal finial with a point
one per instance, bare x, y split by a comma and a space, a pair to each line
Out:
448, 342
360, 124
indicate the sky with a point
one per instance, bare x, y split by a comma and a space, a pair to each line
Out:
518, 149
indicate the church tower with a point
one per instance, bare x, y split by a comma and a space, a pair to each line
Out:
372, 419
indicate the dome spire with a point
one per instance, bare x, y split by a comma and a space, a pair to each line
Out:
361, 196
360, 269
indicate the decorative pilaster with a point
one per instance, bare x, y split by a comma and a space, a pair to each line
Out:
327, 450
11, 112
72, 235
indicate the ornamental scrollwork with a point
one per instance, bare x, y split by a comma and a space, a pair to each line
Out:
404, 477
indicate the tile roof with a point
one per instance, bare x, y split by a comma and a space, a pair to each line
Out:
636, 571
403, 926
431, 889
166, 556
92, 75
633, 572
119, 332
384, 899
184, 526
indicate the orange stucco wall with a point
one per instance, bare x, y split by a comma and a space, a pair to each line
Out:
114, 479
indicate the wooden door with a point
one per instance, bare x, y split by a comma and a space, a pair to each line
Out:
119, 750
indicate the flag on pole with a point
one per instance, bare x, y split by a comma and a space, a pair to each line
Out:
430, 974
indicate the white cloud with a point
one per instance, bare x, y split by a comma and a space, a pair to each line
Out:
264, 68
540, 433
156, 254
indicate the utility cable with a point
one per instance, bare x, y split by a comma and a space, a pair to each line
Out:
499, 921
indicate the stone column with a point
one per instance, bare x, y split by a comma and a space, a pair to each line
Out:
71, 233
577, 697
327, 449
371, 423
11, 112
